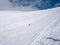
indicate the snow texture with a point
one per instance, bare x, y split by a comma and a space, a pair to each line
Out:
30, 28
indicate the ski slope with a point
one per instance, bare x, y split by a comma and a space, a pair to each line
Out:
30, 28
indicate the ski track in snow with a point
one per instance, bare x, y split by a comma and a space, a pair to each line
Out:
15, 29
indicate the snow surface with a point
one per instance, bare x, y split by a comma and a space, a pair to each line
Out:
30, 28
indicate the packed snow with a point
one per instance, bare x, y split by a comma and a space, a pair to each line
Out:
30, 28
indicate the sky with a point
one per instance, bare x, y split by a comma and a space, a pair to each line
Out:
28, 4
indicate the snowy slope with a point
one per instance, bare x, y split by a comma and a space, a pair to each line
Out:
30, 28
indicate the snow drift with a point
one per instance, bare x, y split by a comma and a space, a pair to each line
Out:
30, 28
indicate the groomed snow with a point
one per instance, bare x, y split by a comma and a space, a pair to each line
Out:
30, 28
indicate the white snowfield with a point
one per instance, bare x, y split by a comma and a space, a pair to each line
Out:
30, 28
